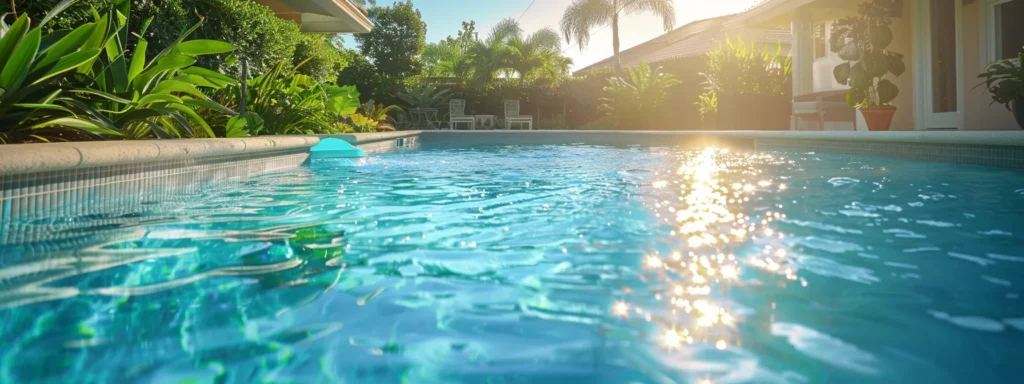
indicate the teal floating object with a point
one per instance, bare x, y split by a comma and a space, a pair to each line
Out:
335, 149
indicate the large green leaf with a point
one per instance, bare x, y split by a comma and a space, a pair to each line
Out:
880, 36
887, 91
207, 104
68, 63
213, 76
859, 77
71, 42
179, 86
138, 62
165, 64
158, 98
896, 66
16, 68
204, 47
850, 52
245, 124
11, 39
842, 73
876, 64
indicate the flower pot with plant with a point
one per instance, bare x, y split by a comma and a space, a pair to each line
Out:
1004, 79
862, 41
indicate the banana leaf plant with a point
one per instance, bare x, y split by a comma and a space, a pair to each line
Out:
34, 97
157, 96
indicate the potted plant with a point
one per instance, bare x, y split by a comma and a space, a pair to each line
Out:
1005, 81
862, 41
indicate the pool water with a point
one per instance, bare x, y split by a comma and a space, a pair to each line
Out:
537, 264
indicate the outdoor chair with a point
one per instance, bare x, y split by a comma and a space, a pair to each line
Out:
457, 114
512, 115
829, 106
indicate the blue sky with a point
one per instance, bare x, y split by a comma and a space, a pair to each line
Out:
445, 17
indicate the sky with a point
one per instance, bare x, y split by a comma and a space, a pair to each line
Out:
445, 17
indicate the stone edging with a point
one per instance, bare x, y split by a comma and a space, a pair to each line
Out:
16, 159
368, 138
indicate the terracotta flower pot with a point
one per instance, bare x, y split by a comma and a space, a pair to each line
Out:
878, 118
1017, 106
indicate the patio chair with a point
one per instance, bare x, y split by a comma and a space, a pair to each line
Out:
457, 114
512, 115
823, 107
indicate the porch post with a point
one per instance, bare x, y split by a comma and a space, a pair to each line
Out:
803, 52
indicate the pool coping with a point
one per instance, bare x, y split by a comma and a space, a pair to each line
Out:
18, 159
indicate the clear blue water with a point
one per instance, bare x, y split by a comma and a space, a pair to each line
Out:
537, 264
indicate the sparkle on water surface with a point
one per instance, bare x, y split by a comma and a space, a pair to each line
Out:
556, 264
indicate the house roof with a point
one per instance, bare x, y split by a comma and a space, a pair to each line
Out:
692, 39
325, 16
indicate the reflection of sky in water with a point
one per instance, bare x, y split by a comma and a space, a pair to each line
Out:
535, 264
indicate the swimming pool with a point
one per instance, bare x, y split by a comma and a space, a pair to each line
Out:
536, 263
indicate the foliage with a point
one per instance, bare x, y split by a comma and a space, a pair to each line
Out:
862, 41
281, 103
84, 84
262, 38
380, 113
322, 60
1004, 79
737, 67
395, 44
633, 102
33, 106
142, 96
424, 96
583, 17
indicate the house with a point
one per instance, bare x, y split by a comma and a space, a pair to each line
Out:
690, 41
681, 53
322, 16
946, 44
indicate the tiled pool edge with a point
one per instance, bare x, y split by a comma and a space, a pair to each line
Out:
68, 179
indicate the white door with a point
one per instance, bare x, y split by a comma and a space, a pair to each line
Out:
939, 62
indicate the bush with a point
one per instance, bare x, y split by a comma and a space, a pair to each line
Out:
738, 68
633, 102
262, 38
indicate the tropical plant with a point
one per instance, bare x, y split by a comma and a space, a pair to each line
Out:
583, 17
145, 97
736, 67
33, 101
424, 96
633, 101
281, 102
862, 41
1004, 79
381, 114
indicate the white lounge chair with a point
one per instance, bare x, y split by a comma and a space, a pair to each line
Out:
457, 114
512, 116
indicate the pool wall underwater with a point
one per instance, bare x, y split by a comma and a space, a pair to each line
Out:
73, 179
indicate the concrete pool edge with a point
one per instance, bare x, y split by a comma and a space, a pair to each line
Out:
20, 159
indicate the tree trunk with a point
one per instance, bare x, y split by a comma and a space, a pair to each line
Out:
615, 42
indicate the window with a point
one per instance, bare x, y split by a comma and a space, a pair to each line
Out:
1006, 32
820, 47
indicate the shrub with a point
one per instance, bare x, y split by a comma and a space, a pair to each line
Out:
737, 68
633, 102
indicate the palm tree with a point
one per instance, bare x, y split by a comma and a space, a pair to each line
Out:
582, 16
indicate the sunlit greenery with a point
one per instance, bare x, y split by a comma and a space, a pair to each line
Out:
737, 67
632, 101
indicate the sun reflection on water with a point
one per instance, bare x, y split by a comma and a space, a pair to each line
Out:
708, 225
